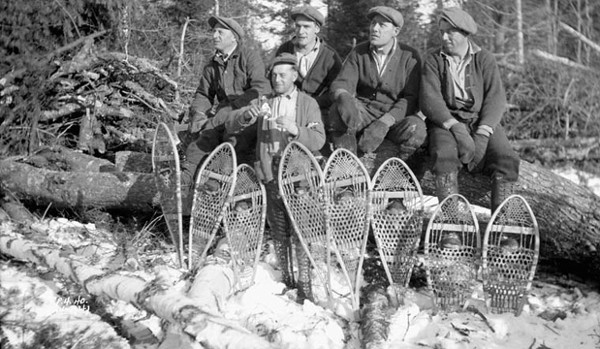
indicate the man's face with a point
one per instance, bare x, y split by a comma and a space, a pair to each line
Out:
282, 78
382, 31
306, 31
453, 39
223, 38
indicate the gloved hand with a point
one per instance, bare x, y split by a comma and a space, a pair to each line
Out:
197, 122
346, 107
375, 133
221, 117
481, 139
466, 145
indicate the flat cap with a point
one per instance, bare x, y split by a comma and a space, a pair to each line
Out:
228, 23
285, 58
309, 12
387, 12
459, 19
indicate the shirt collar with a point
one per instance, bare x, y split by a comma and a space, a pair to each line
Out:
472, 49
291, 95
377, 51
315, 47
226, 55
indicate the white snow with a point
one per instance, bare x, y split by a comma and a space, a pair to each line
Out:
269, 310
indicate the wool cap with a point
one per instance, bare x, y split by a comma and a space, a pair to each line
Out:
228, 23
387, 12
285, 58
309, 12
459, 19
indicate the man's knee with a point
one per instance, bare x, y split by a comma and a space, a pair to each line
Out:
410, 132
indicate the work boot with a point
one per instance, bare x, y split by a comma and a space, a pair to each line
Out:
501, 190
416, 159
446, 184
187, 187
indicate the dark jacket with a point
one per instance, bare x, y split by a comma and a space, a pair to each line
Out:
234, 82
396, 91
311, 133
482, 79
318, 79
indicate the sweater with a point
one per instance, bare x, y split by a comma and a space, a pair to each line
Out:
319, 77
482, 79
395, 91
311, 133
234, 82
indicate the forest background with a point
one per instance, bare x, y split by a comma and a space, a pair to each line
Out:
547, 51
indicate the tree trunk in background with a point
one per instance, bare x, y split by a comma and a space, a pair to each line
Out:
500, 32
520, 41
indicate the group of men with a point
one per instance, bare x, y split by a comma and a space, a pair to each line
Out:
451, 105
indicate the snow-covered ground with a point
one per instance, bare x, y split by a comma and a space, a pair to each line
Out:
37, 306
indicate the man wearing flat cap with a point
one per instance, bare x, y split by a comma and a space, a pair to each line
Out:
463, 100
318, 63
376, 91
287, 114
233, 77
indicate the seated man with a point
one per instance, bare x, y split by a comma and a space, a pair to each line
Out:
292, 115
463, 99
376, 91
318, 63
234, 76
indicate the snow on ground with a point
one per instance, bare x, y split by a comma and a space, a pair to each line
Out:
553, 316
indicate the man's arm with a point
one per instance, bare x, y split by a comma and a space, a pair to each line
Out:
493, 105
257, 79
431, 100
347, 79
334, 65
408, 103
205, 94
312, 133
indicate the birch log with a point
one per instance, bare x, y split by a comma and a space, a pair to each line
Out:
200, 322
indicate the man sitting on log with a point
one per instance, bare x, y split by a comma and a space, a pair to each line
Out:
235, 76
318, 63
377, 89
463, 99
287, 114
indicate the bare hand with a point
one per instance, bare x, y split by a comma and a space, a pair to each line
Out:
251, 114
288, 125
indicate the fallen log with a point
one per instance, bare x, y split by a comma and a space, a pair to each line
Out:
127, 191
65, 159
550, 150
568, 214
201, 324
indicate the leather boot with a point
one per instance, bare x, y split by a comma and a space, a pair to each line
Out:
187, 187
501, 190
446, 184
304, 277
416, 159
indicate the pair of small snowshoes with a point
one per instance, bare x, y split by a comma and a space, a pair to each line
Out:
225, 194
506, 260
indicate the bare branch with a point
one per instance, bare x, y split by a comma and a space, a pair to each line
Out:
558, 59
